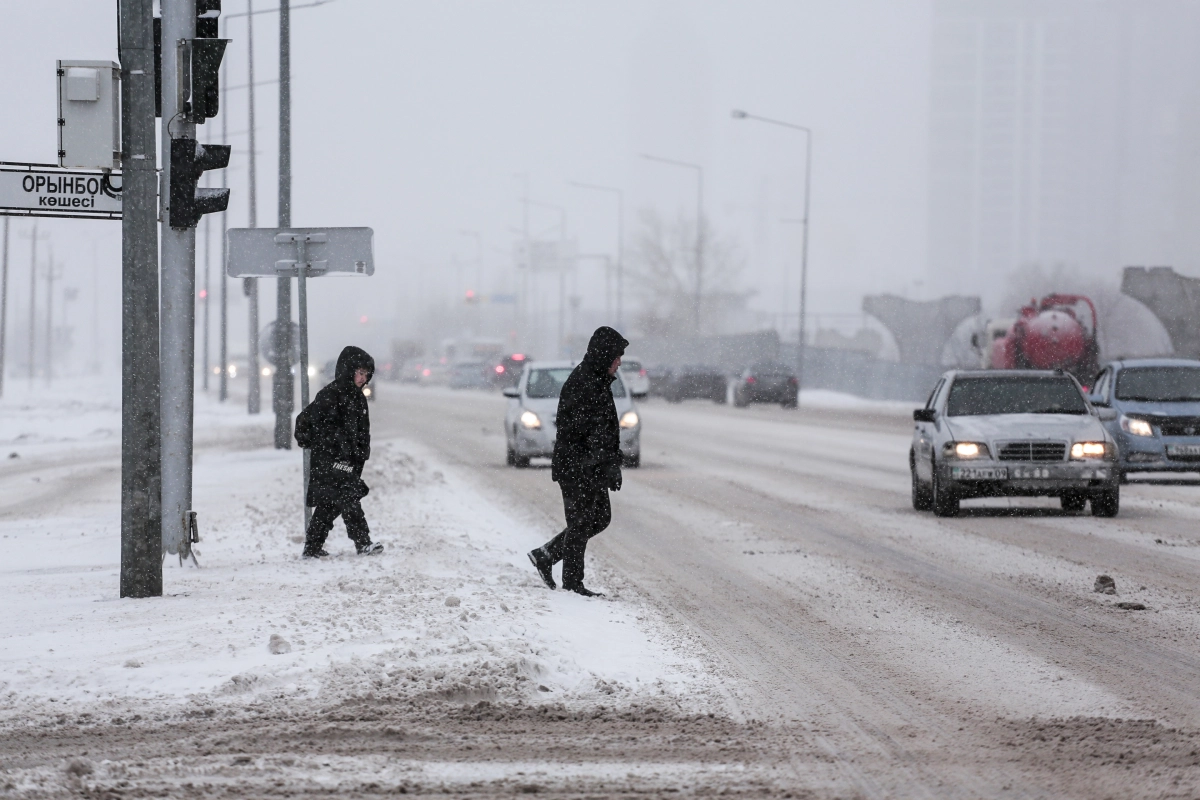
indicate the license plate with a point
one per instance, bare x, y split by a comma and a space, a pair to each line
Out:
1034, 473
1183, 449
979, 473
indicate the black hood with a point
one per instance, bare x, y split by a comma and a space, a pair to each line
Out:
605, 345
352, 359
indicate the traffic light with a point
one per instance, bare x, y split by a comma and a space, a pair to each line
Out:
200, 67
190, 160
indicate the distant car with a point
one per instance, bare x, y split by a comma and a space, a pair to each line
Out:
529, 423
1155, 413
767, 382
635, 376
506, 371
1011, 433
695, 381
470, 375
658, 376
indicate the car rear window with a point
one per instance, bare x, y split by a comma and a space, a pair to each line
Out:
631, 366
546, 383
771, 369
971, 397
1159, 384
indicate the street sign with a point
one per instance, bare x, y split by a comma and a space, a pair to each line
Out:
44, 190
271, 252
267, 337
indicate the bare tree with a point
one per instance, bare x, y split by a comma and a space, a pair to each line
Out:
685, 283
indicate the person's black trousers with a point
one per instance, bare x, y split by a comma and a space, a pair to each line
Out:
347, 505
588, 512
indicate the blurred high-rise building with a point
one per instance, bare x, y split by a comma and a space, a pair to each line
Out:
1062, 133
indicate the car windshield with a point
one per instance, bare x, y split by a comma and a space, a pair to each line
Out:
971, 397
1159, 384
546, 383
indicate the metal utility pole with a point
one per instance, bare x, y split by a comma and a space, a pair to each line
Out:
141, 476
620, 244
254, 389
50, 276
178, 346
283, 387
3, 303
204, 297
33, 237
223, 349
699, 233
808, 137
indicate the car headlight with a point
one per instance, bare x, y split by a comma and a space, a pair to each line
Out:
1135, 426
629, 419
1089, 450
266, 372
366, 391
530, 420
233, 370
966, 450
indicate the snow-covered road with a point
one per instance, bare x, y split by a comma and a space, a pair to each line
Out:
779, 620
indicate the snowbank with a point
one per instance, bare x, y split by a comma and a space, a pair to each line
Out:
451, 610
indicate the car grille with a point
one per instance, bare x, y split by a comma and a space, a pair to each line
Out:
1033, 451
1178, 426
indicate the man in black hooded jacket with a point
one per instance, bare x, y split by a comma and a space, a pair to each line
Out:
336, 426
587, 459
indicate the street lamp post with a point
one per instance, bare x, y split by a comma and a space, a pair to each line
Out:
808, 136
620, 240
699, 232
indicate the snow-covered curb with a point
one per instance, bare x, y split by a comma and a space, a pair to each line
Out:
450, 611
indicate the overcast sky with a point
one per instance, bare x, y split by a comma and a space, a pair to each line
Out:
420, 119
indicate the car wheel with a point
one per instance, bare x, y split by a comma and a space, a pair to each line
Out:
922, 496
511, 459
739, 400
719, 399
1073, 502
520, 462
634, 461
945, 502
1123, 477
1106, 503
791, 402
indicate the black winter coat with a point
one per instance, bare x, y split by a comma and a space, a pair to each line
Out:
587, 448
336, 426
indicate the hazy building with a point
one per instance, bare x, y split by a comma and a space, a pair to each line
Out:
1062, 132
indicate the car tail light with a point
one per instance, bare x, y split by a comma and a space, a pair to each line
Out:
792, 381
425, 373
499, 369
641, 373
750, 379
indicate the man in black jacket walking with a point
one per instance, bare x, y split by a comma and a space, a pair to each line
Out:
336, 426
587, 459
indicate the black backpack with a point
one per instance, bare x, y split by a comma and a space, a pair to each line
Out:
305, 428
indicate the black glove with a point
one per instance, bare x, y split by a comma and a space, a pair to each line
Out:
613, 477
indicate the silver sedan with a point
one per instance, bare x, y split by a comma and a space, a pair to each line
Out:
1007, 433
529, 422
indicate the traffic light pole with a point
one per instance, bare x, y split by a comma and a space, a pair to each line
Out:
141, 515
178, 344
283, 387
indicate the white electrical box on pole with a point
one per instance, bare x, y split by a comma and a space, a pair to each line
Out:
89, 115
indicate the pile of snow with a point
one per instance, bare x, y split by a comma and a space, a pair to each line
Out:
451, 610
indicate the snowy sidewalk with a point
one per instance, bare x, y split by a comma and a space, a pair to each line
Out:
451, 610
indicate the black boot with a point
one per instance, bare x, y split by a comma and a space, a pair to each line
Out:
541, 562
318, 553
579, 588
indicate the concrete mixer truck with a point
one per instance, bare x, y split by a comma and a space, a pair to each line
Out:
1059, 332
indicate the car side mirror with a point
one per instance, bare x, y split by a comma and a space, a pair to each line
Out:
1106, 414
1099, 402
924, 415
512, 391
640, 395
